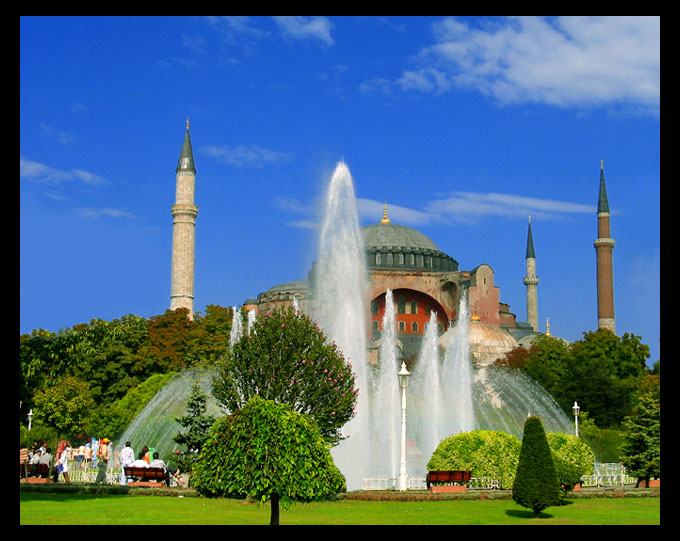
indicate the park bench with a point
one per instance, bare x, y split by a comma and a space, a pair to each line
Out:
37, 473
150, 477
447, 476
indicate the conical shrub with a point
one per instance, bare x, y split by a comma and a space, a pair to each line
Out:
536, 484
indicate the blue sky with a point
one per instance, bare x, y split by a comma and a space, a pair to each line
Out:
465, 126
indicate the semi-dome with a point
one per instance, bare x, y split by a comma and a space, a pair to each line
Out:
487, 342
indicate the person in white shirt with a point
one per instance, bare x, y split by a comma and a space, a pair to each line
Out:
127, 458
140, 462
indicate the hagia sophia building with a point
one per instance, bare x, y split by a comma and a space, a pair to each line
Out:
421, 277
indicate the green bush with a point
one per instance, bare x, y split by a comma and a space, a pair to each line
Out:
267, 451
572, 450
536, 485
486, 453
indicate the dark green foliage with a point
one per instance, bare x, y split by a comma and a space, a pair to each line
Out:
536, 485
197, 425
641, 451
266, 451
289, 360
601, 372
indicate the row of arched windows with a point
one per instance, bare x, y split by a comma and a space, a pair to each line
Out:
401, 259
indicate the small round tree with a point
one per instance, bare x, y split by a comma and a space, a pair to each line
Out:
288, 359
267, 451
536, 485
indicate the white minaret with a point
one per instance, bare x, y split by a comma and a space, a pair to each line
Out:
531, 281
184, 213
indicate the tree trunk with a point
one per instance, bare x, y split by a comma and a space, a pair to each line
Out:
274, 519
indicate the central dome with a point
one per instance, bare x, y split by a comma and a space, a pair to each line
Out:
387, 235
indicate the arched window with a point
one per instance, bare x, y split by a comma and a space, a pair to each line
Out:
402, 326
375, 325
414, 326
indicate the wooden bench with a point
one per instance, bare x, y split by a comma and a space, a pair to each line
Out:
37, 473
150, 477
447, 476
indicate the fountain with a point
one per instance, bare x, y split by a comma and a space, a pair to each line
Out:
155, 426
385, 408
448, 393
339, 309
236, 326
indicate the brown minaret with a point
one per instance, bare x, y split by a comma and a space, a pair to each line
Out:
604, 246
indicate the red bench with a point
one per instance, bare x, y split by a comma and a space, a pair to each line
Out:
150, 477
447, 476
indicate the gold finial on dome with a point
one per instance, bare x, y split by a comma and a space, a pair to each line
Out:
547, 326
385, 219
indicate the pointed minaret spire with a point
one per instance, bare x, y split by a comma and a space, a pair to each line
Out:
604, 246
531, 281
530, 243
186, 156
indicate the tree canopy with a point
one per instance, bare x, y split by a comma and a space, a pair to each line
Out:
289, 360
267, 451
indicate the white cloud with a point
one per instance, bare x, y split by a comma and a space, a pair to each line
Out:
565, 61
305, 27
458, 207
465, 206
245, 155
39, 172
106, 212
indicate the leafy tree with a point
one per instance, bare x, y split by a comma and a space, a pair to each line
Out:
65, 406
288, 359
486, 453
536, 484
547, 362
171, 345
211, 333
641, 450
267, 451
197, 424
104, 355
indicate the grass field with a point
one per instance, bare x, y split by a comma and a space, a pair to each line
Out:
47, 508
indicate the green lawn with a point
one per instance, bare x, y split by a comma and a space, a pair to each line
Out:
48, 508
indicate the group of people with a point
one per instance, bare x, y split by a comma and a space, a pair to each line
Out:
145, 459
30, 458
41, 454
99, 454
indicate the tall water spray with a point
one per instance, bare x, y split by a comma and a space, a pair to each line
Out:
385, 401
426, 392
236, 326
252, 317
459, 413
339, 308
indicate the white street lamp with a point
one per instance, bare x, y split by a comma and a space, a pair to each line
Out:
403, 375
576, 409
30, 417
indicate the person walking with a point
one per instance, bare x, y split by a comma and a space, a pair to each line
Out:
62, 463
102, 460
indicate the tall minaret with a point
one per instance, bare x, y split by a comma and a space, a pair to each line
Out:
604, 245
531, 281
184, 214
